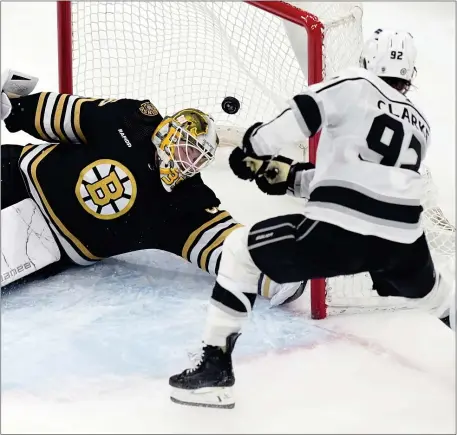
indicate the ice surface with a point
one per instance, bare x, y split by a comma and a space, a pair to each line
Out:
85, 364
91, 350
133, 315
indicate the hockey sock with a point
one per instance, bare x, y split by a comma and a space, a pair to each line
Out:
226, 314
235, 290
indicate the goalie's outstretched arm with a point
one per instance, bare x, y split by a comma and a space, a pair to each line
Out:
48, 116
63, 118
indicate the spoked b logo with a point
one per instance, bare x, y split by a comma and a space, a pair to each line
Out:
106, 189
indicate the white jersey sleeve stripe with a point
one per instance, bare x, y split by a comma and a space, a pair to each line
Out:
67, 123
47, 118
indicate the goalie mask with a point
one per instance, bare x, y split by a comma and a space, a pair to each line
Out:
186, 143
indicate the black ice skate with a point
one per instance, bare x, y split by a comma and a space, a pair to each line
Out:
210, 382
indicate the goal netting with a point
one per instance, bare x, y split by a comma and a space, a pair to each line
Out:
194, 54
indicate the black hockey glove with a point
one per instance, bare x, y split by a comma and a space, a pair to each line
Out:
245, 166
243, 161
279, 175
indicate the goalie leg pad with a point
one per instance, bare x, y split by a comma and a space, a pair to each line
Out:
28, 244
13, 186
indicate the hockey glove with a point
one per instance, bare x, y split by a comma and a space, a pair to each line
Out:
245, 166
14, 84
279, 175
243, 161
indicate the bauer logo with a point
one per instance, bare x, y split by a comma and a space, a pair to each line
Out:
264, 236
106, 189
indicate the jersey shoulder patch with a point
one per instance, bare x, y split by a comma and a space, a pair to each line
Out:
148, 109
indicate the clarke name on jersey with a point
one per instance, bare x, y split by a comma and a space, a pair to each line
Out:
404, 112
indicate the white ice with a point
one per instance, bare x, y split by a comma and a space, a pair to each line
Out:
90, 351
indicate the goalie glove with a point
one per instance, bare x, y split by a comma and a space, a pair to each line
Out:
14, 84
5, 107
278, 175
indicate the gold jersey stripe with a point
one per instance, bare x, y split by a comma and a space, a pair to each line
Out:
38, 115
215, 245
26, 148
51, 213
58, 117
77, 117
265, 290
191, 239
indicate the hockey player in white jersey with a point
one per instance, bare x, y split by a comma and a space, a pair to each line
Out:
362, 214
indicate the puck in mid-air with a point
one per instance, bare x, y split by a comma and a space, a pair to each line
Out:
230, 105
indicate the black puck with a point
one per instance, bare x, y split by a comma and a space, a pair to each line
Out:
230, 105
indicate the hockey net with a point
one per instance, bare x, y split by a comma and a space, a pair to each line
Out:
194, 54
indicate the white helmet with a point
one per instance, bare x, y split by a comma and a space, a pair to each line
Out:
390, 53
186, 143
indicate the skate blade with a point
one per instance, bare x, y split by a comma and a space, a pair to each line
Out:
211, 397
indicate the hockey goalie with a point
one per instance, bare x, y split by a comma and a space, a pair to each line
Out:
113, 176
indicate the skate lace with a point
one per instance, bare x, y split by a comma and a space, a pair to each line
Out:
196, 358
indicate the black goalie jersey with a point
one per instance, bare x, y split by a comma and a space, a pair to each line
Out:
97, 182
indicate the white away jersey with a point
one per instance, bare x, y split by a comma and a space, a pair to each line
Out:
372, 142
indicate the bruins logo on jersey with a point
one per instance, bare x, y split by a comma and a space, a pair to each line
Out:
106, 189
148, 109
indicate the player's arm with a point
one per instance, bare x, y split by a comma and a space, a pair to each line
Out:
300, 180
322, 103
48, 116
200, 227
303, 118
64, 118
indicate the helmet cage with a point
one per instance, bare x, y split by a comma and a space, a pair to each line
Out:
186, 143
191, 154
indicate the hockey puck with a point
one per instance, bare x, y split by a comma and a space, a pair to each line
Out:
230, 105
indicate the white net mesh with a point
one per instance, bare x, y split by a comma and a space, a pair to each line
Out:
185, 54
193, 54
343, 36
